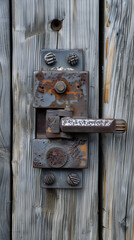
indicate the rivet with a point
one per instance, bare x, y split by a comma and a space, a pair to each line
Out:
73, 179
49, 179
73, 59
50, 58
60, 87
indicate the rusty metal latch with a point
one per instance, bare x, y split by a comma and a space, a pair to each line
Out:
61, 100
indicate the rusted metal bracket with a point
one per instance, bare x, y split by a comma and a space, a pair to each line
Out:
61, 100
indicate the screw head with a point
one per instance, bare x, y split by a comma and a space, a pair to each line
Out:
49, 179
50, 58
73, 59
73, 179
60, 87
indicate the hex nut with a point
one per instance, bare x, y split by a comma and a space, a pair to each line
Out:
60, 87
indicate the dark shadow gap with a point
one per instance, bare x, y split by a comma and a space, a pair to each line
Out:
101, 62
11, 116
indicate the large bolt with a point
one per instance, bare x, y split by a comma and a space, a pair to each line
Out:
60, 87
73, 179
50, 58
49, 179
73, 59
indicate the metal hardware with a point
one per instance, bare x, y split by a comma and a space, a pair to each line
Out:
93, 125
62, 124
62, 60
56, 157
76, 150
50, 58
73, 59
61, 176
60, 87
49, 179
73, 179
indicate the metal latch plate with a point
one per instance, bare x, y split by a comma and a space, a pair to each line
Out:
76, 94
61, 59
75, 153
60, 178
59, 156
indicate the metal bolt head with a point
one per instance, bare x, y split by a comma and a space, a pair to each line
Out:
73, 59
56, 157
49, 179
73, 179
60, 87
50, 58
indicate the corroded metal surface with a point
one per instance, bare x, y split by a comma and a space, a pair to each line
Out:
53, 122
76, 150
121, 125
56, 157
61, 178
76, 94
92, 125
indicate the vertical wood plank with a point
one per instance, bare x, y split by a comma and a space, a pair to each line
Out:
118, 99
51, 214
4, 121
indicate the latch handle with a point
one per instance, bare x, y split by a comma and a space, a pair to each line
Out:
73, 125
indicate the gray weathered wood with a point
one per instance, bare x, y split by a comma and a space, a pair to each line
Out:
4, 121
51, 214
118, 100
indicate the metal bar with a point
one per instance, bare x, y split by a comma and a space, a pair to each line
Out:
92, 125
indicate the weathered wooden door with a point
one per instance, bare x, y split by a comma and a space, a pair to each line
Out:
104, 208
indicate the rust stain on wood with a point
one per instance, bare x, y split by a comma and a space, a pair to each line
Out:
108, 23
109, 71
107, 43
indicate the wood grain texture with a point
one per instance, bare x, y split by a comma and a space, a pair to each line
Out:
4, 121
118, 100
51, 214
